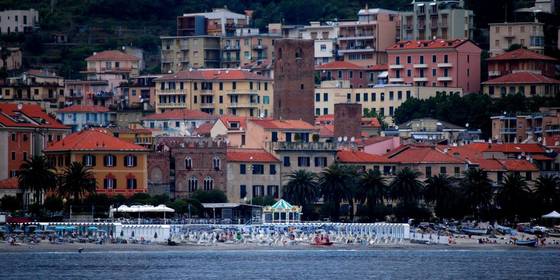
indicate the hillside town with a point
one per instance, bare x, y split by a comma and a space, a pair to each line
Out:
244, 117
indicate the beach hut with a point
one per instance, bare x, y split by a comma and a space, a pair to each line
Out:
282, 212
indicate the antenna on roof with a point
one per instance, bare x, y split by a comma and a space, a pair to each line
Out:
339, 139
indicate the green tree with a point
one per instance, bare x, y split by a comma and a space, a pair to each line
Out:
77, 182
53, 204
263, 201
140, 198
547, 192
182, 206
212, 196
10, 203
337, 184
372, 189
35, 176
438, 190
513, 195
406, 187
477, 190
302, 188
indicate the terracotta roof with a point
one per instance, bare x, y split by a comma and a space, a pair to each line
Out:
518, 165
180, 114
378, 67
427, 44
371, 122
521, 54
324, 118
542, 157
284, 124
250, 155
30, 115
214, 74
346, 156
9, 184
490, 165
522, 78
227, 120
376, 139
112, 55
204, 129
342, 65
326, 131
42, 73
83, 109
508, 148
423, 154
92, 140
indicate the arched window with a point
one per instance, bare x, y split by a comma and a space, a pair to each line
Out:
208, 183
188, 163
110, 160
216, 163
109, 182
193, 184
88, 160
130, 161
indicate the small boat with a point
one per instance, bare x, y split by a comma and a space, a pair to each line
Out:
528, 243
475, 231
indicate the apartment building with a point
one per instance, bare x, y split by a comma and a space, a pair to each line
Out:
357, 75
526, 34
521, 60
35, 85
25, 130
14, 59
527, 83
18, 21
364, 42
139, 92
252, 173
218, 22
428, 130
216, 91
381, 99
232, 129
366, 161
79, 117
530, 127
119, 167
447, 20
436, 63
178, 122
324, 37
88, 92
113, 66
246, 47
180, 53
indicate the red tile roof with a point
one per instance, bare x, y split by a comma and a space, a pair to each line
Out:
508, 148
284, 124
324, 118
521, 54
378, 67
518, 165
30, 115
342, 65
326, 131
346, 156
92, 140
42, 73
214, 74
522, 78
204, 129
227, 120
9, 184
423, 154
427, 44
371, 122
84, 109
250, 155
112, 55
180, 114
376, 139
489, 165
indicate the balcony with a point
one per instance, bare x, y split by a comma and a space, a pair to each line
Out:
355, 50
302, 146
243, 92
508, 131
444, 79
420, 65
231, 59
206, 92
396, 66
359, 36
231, 48
509, 35
494, 73
242, 105
445, 65
103, 95
421, 26
75, 96
260, 47
396, 80
420, 79
206, 105
184, 46
170, 92
172, 105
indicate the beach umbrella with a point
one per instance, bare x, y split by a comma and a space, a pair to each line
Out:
552, 215
92, 228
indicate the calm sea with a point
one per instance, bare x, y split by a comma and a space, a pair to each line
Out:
285, 264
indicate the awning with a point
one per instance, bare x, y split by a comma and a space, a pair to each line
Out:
383, 74
552, 215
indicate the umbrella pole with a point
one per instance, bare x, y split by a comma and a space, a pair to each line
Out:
138, 217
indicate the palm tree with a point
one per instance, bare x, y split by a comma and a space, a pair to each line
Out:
77, 181
302, 188
477, 190
406, 187
547, 191
513, 194
438, 189
36, 176
337, 184
371, 188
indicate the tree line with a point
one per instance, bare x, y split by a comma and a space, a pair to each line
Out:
373, 197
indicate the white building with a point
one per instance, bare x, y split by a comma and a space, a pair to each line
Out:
180, 122
324, 36
16, 21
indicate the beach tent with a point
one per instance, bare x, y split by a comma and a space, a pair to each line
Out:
144, 209
552, 215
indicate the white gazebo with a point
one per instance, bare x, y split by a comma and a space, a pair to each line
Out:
282, 212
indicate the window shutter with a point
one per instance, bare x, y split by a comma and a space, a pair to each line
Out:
134, 160
92, 160
84, 159
114, 160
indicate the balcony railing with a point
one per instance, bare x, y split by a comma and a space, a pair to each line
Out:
508, 130
301, 146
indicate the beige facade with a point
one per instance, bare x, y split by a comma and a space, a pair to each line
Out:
184, 52
383, 100
529, 89
216, 91
242, 188
16, 21
13, 61
247, 46
526, 34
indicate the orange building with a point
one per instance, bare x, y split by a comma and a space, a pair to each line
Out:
119, 167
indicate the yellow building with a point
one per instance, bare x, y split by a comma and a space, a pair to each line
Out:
119, 167
216, 91
382, 99
35, 85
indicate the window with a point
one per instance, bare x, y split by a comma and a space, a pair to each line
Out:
258, 169
109, 182
528, 176
242, 169
382, 96
445, 59
317, 97
409, 73
273, 169
409, 59
14, 137
357, 97
258, 191
317, 111
373, 96
399, 95
130, 161
274, 136
131, 183
408, 94
272, 191
13, 155
443, 170
325, 111
397, 60
188, 163
192, 184
208, 183
216, 163
421, 59
391, 95
434, 59
428, 171
287, 161
320, 162
110, 160
242, 191
303, 161
457, 171
88, 160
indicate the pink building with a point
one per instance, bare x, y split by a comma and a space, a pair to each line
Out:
436, 63
343, 70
